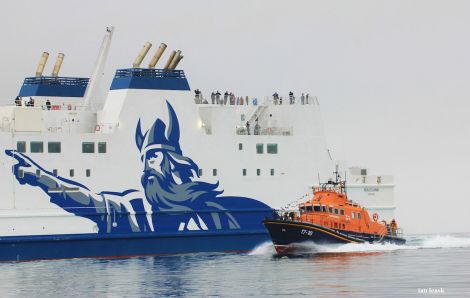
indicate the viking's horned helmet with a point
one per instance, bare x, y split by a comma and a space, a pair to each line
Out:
160, 136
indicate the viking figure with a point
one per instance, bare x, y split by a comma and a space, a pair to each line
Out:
169, 200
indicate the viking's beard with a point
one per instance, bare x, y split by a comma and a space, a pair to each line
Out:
164, 193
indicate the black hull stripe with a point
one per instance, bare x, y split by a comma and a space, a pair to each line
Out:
315, 228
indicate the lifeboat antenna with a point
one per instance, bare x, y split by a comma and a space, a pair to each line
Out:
98, 72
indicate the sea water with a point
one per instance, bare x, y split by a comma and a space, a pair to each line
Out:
437, 265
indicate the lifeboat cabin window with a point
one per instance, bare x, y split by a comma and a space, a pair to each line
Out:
317, 208
358, 216
324, 209
336, 210
308, 208
330, 209
353, 215
341, 212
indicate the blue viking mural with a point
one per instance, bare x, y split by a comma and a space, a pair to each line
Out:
169, 200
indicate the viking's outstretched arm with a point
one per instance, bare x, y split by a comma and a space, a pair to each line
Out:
109, 210
70, 195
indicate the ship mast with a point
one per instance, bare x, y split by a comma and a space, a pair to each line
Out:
99, 67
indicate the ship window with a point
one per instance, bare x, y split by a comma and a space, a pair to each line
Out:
341, 212
259, 148
363, 179
88, 147
364, 172
258, 172
336, 210
244, 172
37, 147
240, 146
21, 146
353, 215
316, 208
214, 172
336, 225
358, 216
324, 209
309, 208
272, 172
330, 209
38, 173
21, 173
53, 147
199, 172
72, 173
101, 147
379, 179
242, 117
271, 148
54, 172
88, 172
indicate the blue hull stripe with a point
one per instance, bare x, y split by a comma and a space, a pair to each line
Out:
28, 248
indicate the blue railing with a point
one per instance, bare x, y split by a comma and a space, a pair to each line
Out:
83, 82
149, 73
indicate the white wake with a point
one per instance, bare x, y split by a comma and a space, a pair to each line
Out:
416, 242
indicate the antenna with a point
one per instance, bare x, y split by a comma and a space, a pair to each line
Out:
99, 66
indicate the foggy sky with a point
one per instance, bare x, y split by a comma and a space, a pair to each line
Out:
392, 77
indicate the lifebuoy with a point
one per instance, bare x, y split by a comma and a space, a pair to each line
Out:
375, 216
97, 127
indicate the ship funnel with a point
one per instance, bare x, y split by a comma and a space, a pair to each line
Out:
58, 65
157, 55
175, 60
42, 64
142, 55
168, 62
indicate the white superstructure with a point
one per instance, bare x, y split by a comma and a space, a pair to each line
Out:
92, 141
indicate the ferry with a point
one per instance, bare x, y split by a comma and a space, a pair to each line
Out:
329, 217
153, 167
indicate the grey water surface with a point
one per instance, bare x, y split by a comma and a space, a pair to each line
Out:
426, 266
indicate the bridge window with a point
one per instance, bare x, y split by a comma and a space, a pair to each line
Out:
316, 208
330, 209
336, 210
88, 147
240, 146
244, 172
214, 172
37, 147
271, 148
309, 208
258, 172
53, 147
101, 147
72, 172
259, 148
358, 216
324, 209
341, 212
88, 172
21, 146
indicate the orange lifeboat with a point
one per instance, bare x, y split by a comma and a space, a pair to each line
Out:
329, 217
